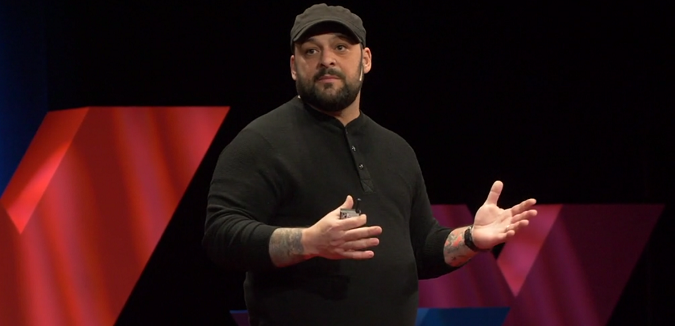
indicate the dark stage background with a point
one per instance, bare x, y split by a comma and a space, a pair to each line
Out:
563, 103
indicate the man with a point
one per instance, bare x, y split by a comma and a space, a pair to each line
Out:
279, 186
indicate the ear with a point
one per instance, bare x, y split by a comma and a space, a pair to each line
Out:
294, 73
367, 60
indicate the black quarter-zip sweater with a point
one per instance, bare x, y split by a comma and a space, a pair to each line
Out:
291, 167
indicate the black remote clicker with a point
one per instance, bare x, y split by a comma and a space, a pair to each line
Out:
354, 212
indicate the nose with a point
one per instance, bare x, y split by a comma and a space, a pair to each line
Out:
327, 59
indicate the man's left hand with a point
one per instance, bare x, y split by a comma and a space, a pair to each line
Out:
494, 225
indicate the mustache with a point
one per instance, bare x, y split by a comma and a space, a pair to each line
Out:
329, 71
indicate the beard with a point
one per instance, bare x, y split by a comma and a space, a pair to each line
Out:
320, 95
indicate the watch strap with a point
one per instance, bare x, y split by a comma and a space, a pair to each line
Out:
468, 241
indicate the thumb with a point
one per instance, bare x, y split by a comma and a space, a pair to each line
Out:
495, 191
349, 202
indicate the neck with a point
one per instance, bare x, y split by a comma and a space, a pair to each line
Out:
347, 114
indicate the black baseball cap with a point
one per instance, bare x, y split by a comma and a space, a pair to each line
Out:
322, 13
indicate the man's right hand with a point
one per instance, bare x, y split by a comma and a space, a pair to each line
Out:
335, 238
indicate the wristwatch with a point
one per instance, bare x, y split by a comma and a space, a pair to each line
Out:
468, 240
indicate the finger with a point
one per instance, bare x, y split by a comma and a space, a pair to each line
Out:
363, 232
524, 216
339, 238
351, 223
508, 236
523, 206
360, 244
520, 225
337, 242
495, 191
358, 254
516, 226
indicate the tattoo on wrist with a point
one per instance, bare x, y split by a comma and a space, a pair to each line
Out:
456, 253
286, 247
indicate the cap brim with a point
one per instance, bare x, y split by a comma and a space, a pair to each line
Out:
302, 33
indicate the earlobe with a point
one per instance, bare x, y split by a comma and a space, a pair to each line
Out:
367, 60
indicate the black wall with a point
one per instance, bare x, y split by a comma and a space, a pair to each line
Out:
566, 104
23, 80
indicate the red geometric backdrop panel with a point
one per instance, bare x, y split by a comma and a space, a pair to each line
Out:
88, 204
568, 267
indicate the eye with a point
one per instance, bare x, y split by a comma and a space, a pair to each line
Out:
310, 51
341, 47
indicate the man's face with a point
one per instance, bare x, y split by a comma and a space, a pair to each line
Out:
328, 69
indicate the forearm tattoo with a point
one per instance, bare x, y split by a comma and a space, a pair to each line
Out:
286, 247
455, 251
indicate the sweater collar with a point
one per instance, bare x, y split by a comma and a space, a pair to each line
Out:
355, 125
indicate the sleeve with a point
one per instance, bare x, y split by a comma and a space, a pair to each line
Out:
244, 194
427, 235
